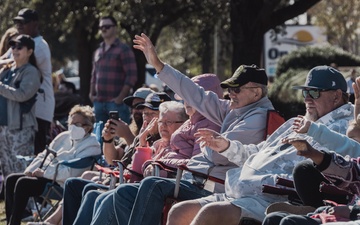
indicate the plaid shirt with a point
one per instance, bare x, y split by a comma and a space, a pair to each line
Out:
112, 69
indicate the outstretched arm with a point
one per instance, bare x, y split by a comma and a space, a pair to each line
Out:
144, 44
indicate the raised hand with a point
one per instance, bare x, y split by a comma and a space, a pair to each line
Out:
356, 87
301, 124
151, 128
211, 139
305, 149
144, 44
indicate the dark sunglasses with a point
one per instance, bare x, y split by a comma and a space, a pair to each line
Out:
17, 47
22, 22
313, 93
237, 90
136, 105
106, 27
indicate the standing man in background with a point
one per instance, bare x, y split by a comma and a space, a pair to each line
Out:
27, 22
114, 73
350, 80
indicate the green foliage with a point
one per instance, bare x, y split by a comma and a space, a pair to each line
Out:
309, 57
281, 89
287, 100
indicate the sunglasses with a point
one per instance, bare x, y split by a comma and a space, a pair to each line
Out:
136, 105
237, 90
17, 47
313, 93
106, 27
22, 22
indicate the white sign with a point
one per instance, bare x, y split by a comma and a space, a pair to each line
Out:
277, 45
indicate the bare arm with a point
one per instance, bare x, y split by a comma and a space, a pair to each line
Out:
111, 152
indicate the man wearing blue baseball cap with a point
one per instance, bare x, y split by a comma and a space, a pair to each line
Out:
323, 80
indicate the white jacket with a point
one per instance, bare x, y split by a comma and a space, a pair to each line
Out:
66, 149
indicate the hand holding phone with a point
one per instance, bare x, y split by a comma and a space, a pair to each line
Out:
114, 115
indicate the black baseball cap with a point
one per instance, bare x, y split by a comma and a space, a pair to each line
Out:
245, 74
26, 15
153, 100
24, 40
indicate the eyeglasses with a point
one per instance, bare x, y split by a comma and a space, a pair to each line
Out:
237, 90
313, 93
168, 123
17, 47
22, 22
79, 124
106, 27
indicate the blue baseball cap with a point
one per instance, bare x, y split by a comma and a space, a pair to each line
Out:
324, 77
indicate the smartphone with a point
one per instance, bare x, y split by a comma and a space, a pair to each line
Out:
114, 115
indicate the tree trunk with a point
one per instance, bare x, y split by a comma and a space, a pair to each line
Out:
247, 35
207, 50
85, 49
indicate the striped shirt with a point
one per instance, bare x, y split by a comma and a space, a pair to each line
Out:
112, 69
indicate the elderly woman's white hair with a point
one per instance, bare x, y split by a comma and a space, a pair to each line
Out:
176, 107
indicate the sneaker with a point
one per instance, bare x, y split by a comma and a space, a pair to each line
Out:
287, 207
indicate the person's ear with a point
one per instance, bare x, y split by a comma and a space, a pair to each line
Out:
30, 51
258, 92
337, 96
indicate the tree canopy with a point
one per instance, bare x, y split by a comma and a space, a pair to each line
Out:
71, 27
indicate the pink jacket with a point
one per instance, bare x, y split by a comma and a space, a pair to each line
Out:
182, 144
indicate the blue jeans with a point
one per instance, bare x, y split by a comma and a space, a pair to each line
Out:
142, 203
91, 200
102, 110
74, 190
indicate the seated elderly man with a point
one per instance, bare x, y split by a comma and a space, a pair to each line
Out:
241, 118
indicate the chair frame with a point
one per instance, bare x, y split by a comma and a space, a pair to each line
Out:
54, 191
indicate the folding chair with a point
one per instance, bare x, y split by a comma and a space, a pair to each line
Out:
285, 186
53, 192
273, 121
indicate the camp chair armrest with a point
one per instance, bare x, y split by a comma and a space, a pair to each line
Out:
159, 165
285, 182
269, 189
76, 163
206, 176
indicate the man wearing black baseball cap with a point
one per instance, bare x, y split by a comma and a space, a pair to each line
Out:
27, 22
26, 15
